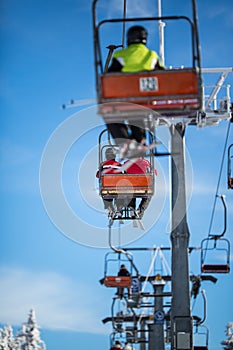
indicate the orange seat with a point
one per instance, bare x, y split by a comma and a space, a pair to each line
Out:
215, 268
126, 184
165, 90
117, 281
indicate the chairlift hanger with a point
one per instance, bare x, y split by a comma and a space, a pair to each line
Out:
218, 236
115, 280
199, 321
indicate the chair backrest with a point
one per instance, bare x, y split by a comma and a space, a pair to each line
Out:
117, 281
215, 268
164, 91
136, 185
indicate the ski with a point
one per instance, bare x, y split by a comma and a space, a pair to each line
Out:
138, 151
142, 227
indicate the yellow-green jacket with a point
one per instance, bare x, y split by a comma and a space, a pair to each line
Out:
137, 57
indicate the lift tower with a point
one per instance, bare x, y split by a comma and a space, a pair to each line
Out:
181, 321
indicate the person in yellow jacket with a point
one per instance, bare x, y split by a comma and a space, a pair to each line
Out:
135, 58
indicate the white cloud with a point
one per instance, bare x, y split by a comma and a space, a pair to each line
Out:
59, 302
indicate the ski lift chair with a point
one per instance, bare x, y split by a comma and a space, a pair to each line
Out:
201, 335
174, 92
131, 334
212, 246
113, 261
168, 93
125, 186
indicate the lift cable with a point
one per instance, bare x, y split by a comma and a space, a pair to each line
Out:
123, 30
219, 178
118, 249
197, 55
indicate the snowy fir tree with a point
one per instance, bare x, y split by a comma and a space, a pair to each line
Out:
30, 335
228, 343
7, 340
27, 339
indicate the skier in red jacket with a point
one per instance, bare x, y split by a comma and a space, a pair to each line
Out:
138, 166
109, 166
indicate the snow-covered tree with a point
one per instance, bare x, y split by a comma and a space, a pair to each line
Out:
29, 337
228, 343
3, 339
7, 340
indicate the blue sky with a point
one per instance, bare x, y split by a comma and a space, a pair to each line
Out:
46, 60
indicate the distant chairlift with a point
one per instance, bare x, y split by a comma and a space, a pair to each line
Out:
201, 332
113, 261
229, 167
128, 334
201, 336
214, 245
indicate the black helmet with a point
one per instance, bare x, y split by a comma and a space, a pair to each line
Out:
136, 34
109, 154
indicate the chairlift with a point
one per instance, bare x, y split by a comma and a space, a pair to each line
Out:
215, 245
123, 186
168, 93
116, 337
201, 336
125, 329
229, 167
128, 335
131, 334
121, 317
113, 262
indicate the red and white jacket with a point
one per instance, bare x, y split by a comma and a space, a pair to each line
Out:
110, 167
